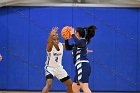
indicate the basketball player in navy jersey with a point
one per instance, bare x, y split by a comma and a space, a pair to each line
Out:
81, 37
53, 67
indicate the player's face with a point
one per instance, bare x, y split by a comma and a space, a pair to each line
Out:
55, 39
77, 35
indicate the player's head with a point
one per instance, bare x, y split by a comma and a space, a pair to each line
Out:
87, 32
55, 39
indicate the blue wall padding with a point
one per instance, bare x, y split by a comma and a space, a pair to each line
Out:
3, 45
138, 53
18, 46
115, 62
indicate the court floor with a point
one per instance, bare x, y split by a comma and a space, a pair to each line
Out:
60, 92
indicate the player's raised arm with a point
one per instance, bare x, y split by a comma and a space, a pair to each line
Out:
50, 39
68, 46
56, 41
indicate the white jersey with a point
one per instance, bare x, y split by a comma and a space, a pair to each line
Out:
54, 58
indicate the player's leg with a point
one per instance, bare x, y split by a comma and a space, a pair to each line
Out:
48, 85
76, 88
49, 73
68, 82
83, 76
63, 76
85, 87
76, 85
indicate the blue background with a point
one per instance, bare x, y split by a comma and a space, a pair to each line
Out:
115, 62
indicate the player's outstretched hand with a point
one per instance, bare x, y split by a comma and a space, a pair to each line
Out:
71, 31
54, 30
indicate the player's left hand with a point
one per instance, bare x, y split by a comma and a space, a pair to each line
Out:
72, 31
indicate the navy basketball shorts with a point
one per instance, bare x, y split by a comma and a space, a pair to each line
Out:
82, 72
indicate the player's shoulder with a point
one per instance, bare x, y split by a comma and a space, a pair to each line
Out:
82, 40
61, 43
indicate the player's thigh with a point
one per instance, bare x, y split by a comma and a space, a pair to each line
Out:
61, 74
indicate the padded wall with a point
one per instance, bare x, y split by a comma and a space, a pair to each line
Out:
115, 61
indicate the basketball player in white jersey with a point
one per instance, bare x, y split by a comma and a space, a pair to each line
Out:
54, 66
0, 57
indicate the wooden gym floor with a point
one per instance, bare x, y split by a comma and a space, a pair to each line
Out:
59, 92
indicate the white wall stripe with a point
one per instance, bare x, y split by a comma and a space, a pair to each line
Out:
77, 5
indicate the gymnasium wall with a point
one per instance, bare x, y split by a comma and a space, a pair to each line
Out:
115, 62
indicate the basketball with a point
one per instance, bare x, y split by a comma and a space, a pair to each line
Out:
65, 32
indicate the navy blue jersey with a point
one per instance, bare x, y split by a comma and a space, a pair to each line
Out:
79, 49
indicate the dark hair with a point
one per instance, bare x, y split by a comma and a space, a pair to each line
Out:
87, 32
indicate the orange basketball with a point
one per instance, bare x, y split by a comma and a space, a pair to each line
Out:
65, 32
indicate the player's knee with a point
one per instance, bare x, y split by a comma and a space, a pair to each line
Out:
69, 85
75, 89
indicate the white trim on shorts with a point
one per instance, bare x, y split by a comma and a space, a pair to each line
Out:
80, 61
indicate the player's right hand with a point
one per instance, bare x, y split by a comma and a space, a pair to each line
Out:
54, 30
71, 31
